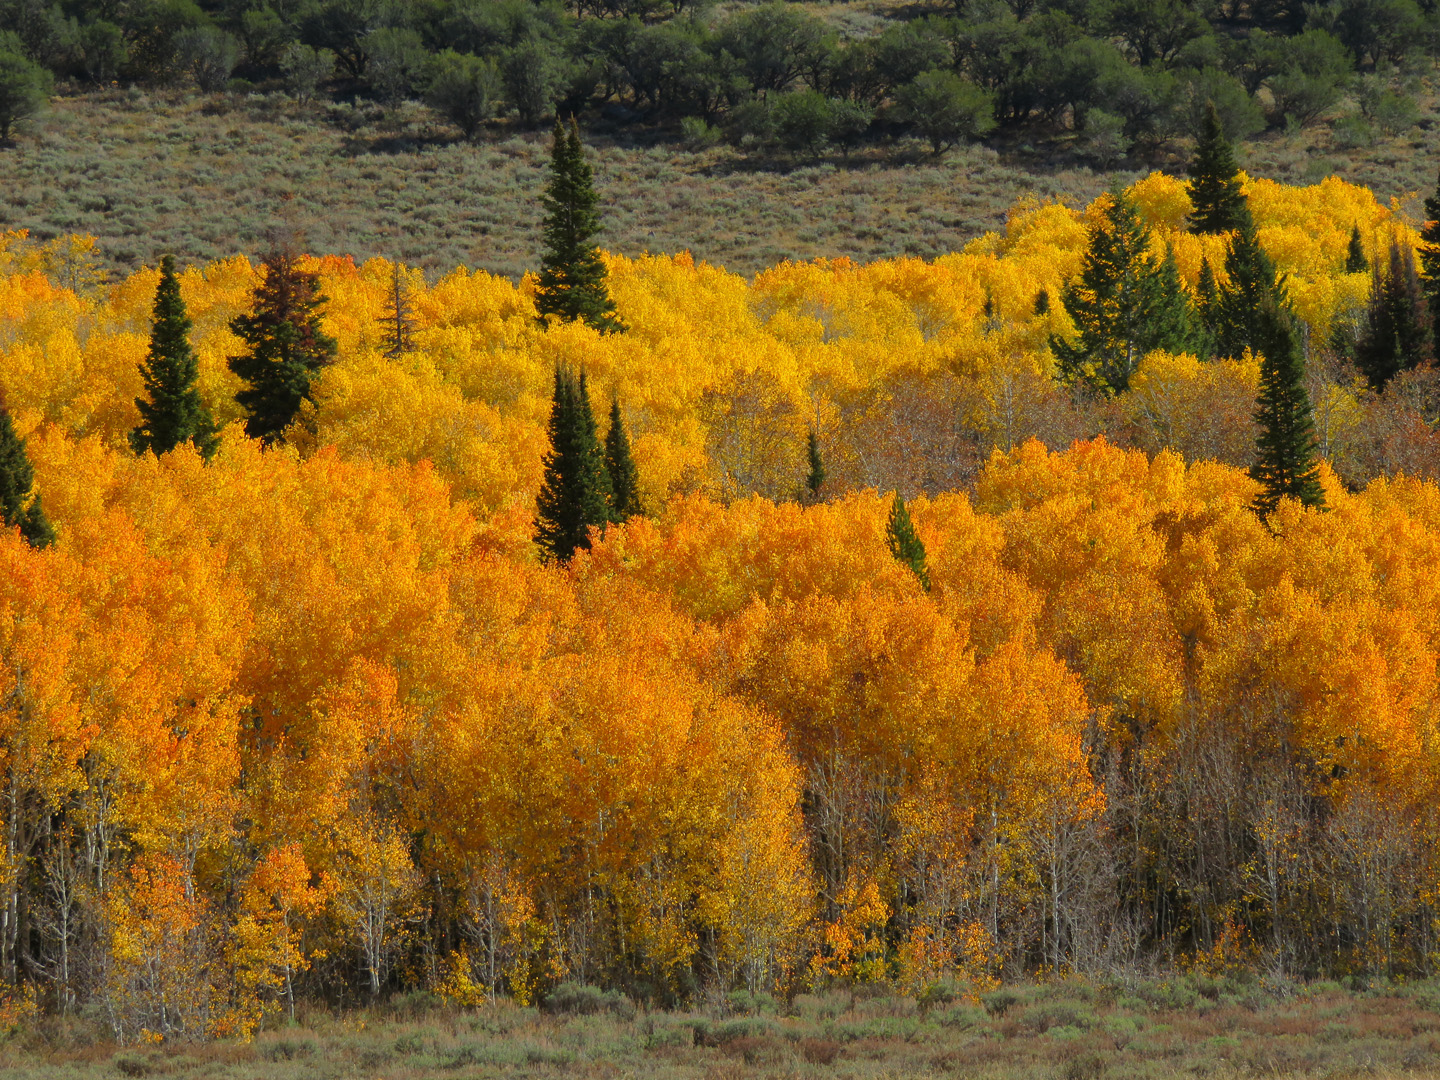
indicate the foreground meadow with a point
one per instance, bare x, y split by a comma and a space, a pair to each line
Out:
1189, 1026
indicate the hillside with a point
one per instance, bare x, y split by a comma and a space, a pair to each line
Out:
209, 177
205, 179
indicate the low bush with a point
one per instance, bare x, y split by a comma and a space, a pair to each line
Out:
577, 999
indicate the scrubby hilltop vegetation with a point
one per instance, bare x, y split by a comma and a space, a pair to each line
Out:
802, 76
744, 132
312, 721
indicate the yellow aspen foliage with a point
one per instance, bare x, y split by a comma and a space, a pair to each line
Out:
854, 946
374, 892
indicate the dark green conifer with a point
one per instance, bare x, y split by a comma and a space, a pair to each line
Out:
1430, 264
286, 346
1355, 260
18, 507
1395, 332
572, 274
1042, 302
1207, 304
1252, 287
1176, 326
1124, 303
815, 479
171, 412
575, 492
1285, 462
904, 543
620, 466
1218, 205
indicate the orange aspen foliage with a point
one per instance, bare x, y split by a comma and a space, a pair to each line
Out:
290, 719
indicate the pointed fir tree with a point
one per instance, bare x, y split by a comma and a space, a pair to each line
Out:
1394, 335
815, 478
572, 274
1355, 260
1124, 303
905, 544
1042, 302
19, 508
620, 467
399, 317
286, 347
1252, 287
575, 492
1285, 460
171, 411
1207, 304
1430, 265
1218, 205
1175, 327
1346, 326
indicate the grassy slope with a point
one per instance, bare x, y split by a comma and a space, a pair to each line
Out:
204, 179
1063, 1031
208, 179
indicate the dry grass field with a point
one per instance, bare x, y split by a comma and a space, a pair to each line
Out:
1067, 1030
209, 177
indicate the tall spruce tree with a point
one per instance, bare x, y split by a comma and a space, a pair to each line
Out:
1355, 260
18, 507
1124, 303
905, 544
815, 478
620, 467
1430, 264
286, 347
575, 493
171, 411
1218, 205
1394, 336
1285, 462
572, 274
1251, 288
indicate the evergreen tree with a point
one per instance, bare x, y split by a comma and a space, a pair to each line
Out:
1251, 288
1430, 263
1218, 204
399, 317
1042, 302
572, 274
1285, 460
620, 467
171, 412
1355, 261
1174, 321
1394, 335
905, 544
1124, 303
815, 480
17, 477
575, 492
1346, 326
1207, 304
287, 348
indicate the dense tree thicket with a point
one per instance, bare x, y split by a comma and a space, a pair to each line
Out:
399, 701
